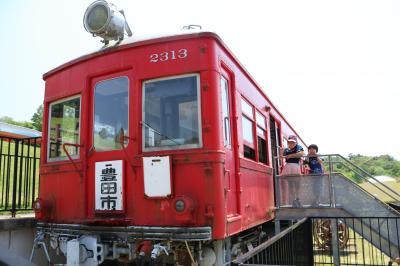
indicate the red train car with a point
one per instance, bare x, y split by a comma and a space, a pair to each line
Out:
157, 149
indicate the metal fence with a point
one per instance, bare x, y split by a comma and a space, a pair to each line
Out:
19, 173
330, 241
355, 240
293, 246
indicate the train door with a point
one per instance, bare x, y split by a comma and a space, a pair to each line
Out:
275, 135
108, 131
229, 145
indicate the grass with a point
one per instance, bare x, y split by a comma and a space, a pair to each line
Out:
375, 191
358, 251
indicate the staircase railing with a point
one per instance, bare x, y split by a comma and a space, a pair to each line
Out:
286, 185
363, 175
293, 246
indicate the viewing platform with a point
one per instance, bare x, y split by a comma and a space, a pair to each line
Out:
322, 195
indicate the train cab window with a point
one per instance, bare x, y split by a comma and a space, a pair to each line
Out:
63, 128
248, 133
261, 138
171, 115
225, 112
110, 113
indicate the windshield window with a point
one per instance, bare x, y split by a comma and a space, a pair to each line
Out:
171, 113
110, 113
64, 128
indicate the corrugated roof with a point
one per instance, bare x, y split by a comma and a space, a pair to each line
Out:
13, 131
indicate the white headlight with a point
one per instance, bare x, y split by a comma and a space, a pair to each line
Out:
103, 19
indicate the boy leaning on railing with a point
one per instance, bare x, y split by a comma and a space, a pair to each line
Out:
313, 163
314, 166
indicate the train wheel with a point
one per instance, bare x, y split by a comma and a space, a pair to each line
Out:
322, 234
343, 235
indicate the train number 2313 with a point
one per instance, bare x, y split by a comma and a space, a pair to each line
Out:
171, 55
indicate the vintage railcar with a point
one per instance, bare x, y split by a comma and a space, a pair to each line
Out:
157, 146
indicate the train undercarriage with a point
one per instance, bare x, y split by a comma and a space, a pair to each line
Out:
75, 244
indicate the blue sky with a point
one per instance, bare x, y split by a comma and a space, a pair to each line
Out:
332, 67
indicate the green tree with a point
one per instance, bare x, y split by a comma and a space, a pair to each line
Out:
37, 118
9, 120
375, 165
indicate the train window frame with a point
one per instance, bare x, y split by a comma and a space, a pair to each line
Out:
126, 140
277, 124
261, 120
261, 132
50, 105
246, 107
226, 120
245, 104
199, 145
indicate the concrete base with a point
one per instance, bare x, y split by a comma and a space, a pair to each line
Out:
16, 241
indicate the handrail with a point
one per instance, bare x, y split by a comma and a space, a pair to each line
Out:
122, 138
387, 194
69, 156
242, 258
366, 173
336, 159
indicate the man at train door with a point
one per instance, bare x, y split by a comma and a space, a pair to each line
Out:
292, 155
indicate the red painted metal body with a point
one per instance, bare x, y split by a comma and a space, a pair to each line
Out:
226, 191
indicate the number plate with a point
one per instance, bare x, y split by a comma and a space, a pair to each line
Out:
168, 55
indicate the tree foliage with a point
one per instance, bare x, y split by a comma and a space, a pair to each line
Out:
37, 118
9, 120
384, 165
35, 124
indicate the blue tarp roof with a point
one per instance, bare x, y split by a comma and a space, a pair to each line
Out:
9, 130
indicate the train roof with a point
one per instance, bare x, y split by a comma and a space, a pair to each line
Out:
137, 41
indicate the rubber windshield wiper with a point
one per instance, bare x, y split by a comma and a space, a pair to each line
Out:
159, 133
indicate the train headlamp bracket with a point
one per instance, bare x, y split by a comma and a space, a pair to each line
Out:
104, 20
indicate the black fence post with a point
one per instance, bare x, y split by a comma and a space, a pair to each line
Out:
309, 242
15, 179
7, 176
34, 171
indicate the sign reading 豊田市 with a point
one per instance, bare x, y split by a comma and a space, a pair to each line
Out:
108, 178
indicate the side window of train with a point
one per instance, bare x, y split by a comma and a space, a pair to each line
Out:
171, 116
247, 127
110, 113
225, 112
261, 138
64, 125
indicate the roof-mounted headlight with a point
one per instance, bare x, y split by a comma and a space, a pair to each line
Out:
103, 19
